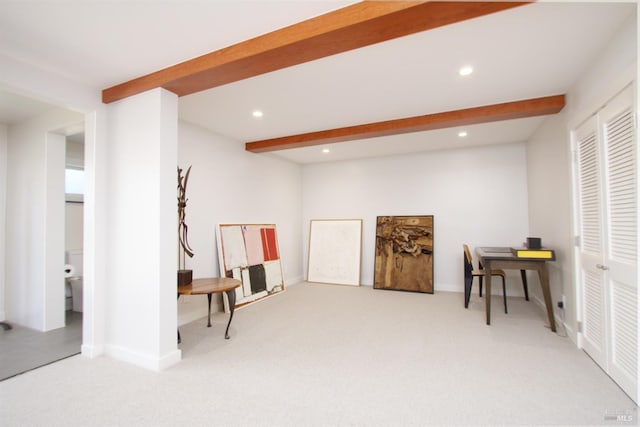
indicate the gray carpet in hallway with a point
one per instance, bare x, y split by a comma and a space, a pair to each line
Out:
23, 349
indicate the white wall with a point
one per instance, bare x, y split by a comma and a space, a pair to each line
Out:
229, 185
478, 196
3, 204
35, 220
548, 166
549, 163
142, 218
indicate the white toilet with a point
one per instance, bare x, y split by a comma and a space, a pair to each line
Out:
74, 260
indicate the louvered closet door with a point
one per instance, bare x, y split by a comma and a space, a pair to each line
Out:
590, 240
620, 266
608, 257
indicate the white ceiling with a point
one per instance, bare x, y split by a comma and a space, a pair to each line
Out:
530, 51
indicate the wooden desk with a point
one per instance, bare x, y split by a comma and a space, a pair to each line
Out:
502, 258
209, 286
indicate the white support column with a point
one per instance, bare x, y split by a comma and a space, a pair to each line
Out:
142, 216
95, 233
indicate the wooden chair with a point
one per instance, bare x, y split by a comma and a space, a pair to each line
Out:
470, 273
525, 286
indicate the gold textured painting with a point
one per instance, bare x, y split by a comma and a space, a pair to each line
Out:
404, 253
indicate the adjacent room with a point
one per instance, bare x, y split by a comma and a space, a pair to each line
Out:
318, 169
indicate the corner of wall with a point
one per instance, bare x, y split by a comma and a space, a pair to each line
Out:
549, 163
562, 328
296, 280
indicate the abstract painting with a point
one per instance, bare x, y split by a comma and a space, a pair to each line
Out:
335, 249
249, 253
404, 253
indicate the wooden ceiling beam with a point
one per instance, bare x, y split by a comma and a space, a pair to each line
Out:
468, 116
361, 24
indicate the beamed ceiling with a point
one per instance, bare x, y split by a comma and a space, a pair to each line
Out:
356, 26
359, 79
352, 27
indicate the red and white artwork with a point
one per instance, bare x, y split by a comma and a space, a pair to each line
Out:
249, 252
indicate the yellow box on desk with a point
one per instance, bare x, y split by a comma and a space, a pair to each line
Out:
547, 254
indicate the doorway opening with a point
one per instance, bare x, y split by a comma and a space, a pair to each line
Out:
24, 348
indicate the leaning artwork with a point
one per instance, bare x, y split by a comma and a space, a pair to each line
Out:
249, 253
404, 253
335, 248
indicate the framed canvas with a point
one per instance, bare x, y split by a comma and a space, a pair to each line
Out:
335, 250
249, 253
404, 253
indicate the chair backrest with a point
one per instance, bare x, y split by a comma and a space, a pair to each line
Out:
468, 261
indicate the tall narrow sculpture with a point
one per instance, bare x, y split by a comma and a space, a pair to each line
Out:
184, 276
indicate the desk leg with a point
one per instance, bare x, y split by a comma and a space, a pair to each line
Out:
487, 296
209, 318
525, 285
179, 339
231, 295
544, 282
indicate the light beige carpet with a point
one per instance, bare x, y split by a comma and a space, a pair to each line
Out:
321, 355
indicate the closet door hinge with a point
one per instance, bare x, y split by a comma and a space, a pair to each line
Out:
576, 241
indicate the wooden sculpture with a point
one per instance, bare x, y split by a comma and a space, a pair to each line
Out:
184, 276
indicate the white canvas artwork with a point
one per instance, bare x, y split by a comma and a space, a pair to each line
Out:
335, 250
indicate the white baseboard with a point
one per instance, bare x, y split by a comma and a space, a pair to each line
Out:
91, 351
169, 360
145, 361
496, 288
447, 287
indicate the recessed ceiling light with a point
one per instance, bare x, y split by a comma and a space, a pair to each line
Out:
466, 70
257, 113
462, 134
326, 150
